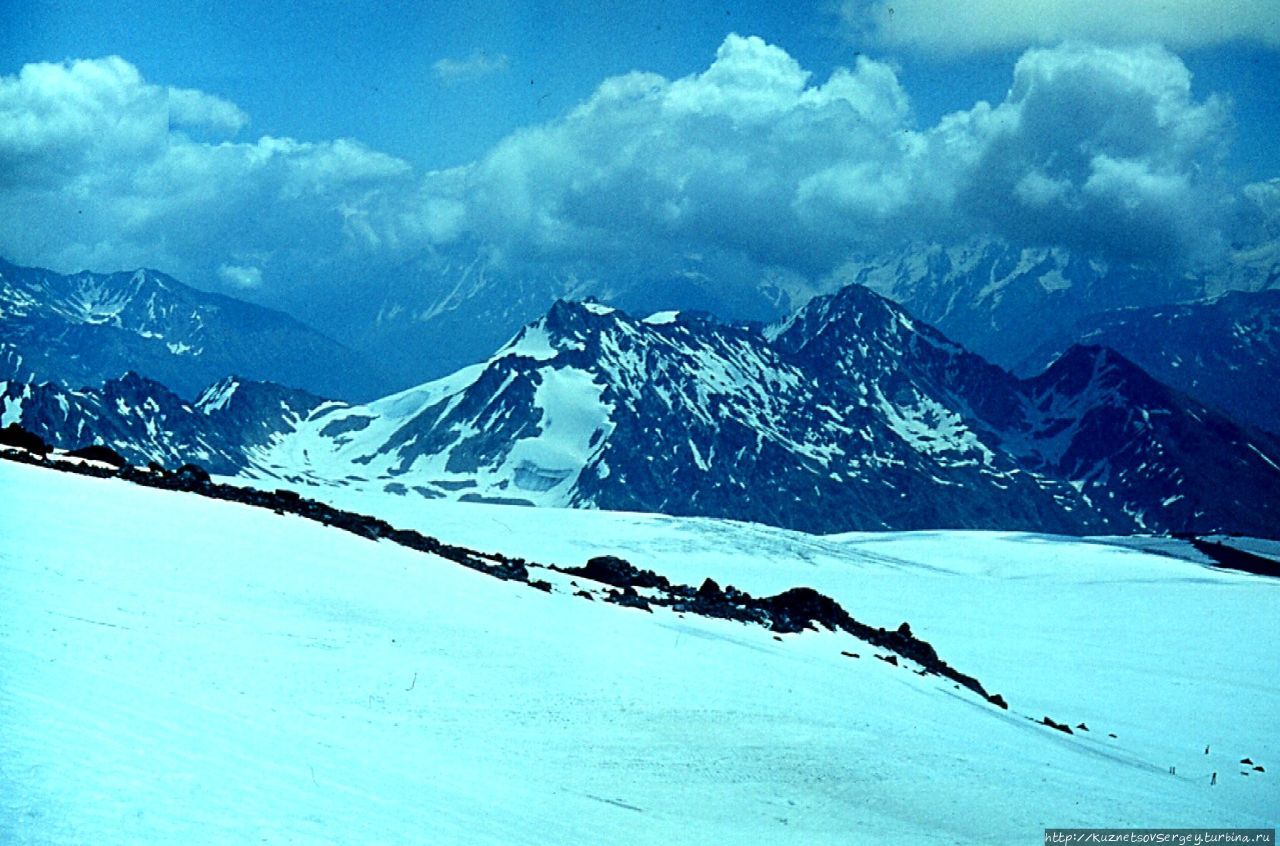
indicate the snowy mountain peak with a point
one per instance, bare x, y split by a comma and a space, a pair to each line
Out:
589, 406
850, 320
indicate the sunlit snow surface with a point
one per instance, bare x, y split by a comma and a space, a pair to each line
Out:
178, 670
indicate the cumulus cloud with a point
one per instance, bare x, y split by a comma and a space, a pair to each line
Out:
99, 169
55, 119
948, 26
1102, 149
1099, 149
196, 110
713, 160
476, 65
753, 163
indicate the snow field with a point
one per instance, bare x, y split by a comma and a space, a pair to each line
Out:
174, 669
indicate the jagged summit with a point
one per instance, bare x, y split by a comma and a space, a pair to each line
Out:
145, 421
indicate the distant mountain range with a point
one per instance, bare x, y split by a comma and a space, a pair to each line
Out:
1001, 301
452, 308
850, 415
85, 329
1225, 351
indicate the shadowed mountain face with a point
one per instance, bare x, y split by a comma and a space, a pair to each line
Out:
87, 328
1136, 447
145, 421
1224, 352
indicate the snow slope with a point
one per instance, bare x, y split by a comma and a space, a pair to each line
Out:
1157, 648
220, 674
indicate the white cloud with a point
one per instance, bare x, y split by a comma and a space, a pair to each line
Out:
1101, 149
240, 276
959, 26
714, 159
1038, 191
73, 111
478, 64
1104, 150
97, 170
752, 163
195, 109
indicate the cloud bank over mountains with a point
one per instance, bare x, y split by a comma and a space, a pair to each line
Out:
1102, 149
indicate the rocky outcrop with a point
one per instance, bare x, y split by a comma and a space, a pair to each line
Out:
15, 436
98, 452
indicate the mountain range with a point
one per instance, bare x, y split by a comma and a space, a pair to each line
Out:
452, 307
677, 413
1018, 307
850, 414
1004, 301
84, 329
144, 421
1224, 351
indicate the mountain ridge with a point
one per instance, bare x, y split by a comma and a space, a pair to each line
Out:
1224, 351
144, 421
868, 419
849, 415
85, 328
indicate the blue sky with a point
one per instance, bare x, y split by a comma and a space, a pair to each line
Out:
259, 147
